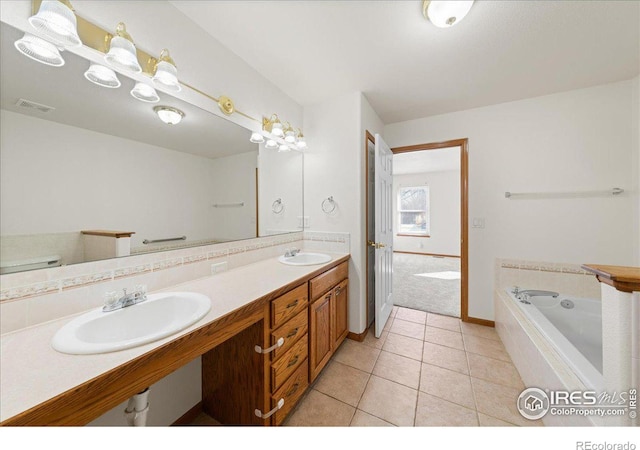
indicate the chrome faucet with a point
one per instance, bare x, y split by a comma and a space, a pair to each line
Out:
291, 252
114, 302
535, 293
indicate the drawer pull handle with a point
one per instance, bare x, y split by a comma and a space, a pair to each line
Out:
293, 390
280, 404
338, 290
279, 343
293, 304
293, 332
293, 361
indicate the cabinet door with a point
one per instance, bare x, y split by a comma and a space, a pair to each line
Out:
320, 339
340, 306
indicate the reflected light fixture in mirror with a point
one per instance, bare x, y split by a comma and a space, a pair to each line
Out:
57, 21
170, 116
284, 148
256, 138
445, 14
102, 76
271, 144
145, 93
165, 72
39, 50
122, 53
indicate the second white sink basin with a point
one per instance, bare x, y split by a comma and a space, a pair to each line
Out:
159, 316
305, 259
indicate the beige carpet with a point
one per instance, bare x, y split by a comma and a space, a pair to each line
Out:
427, 283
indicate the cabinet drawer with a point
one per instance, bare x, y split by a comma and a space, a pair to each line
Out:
289, 362
291, 332
322, 283
288, 305
291, 391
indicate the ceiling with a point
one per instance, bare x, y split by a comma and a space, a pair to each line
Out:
424, 161
407, 68
79, 103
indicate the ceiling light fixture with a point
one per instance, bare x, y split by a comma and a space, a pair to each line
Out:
165, 72
169, 115
39, 50
145, 93
256, 138
445, 14
57, 21
122, 53
102, 76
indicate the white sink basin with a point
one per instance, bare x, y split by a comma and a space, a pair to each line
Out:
159, 316
305, 259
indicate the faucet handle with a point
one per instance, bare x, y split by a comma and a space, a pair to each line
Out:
515, 290
110, 298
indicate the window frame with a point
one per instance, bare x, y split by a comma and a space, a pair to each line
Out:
427, 212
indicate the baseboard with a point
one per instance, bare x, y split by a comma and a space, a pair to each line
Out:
427, 254
485, 322
358, 337
189, 416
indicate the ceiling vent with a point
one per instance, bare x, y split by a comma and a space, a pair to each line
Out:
22, 103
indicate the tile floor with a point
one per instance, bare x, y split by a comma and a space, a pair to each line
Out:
425, 370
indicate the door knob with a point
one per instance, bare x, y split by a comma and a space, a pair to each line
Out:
375, 244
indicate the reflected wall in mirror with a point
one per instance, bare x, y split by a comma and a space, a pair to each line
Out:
101, 162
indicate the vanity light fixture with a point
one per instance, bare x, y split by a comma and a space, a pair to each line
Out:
301, 143
57, 21
165, 73
445, 14
145, 93
102, 76
284, 148
273, 125
289, 134
271, 144
169, 115
256, 138
39, 50
122, 53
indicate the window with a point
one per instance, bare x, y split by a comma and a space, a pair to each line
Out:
413, 211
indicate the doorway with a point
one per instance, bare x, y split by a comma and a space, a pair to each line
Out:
439, 267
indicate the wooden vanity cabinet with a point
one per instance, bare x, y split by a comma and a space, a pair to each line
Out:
289, 366
328, 327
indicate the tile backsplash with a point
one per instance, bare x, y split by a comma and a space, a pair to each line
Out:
568, 279
33, 297
327, 241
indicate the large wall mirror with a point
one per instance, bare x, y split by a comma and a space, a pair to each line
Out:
81, 162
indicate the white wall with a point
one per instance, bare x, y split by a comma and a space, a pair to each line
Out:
334, 166
572, 141
280, 177
57, 178
444, 213
635, 126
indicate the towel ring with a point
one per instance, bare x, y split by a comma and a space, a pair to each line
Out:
277, 207
328, 205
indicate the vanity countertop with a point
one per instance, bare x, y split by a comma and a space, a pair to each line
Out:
32, 372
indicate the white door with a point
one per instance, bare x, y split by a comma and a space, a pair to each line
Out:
383, 233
